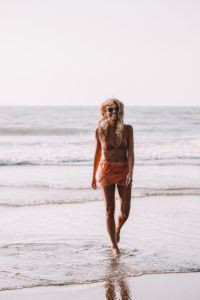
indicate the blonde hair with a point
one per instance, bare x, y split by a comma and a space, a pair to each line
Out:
103, 124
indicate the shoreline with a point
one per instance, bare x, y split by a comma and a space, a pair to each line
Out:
176, 286
45, 252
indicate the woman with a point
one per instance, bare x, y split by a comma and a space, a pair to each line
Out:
114, 153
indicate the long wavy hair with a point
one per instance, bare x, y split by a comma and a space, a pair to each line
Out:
103, 124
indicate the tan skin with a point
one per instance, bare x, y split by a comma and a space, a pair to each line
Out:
109, 191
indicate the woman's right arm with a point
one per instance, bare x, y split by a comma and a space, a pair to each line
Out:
97, 158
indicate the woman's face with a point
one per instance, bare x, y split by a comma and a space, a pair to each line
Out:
112, 112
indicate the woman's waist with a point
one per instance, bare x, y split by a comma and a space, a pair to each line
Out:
115, 150
108, 157
114, 163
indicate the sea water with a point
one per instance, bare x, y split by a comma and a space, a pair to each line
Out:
52, 223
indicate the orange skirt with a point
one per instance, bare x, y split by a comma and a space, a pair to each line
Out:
113, 172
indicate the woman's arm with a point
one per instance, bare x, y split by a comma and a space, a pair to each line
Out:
97, 158
131, 158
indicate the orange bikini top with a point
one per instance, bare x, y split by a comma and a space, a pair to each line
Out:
107, 146
111, 147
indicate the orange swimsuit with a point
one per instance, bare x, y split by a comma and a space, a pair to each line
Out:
113, 172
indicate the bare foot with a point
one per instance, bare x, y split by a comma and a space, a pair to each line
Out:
116, 251
117, 234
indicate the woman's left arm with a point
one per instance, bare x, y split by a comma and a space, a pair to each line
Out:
131, 157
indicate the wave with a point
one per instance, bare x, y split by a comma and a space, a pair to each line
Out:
52, 283
89, 162
47, 202
50, 202
80, 162
171, 191
45, 186
42, 131
172, 157
144, 191
83, 195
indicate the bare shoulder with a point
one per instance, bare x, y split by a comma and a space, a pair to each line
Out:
129, 129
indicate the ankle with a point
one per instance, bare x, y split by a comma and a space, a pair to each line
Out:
115, 246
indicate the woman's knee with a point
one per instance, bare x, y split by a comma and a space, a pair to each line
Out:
125, 215
110, 212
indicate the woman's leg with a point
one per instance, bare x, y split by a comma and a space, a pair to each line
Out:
109, 196
125, 204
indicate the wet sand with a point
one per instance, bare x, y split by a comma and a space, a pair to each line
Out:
184, 286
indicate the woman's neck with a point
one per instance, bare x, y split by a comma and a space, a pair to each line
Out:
112, 124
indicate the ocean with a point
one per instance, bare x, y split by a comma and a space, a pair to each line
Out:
52, 222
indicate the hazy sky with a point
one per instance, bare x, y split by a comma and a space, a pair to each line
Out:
144, 52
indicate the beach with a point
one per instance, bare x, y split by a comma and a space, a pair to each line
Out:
53, 237
68, 244
184, 286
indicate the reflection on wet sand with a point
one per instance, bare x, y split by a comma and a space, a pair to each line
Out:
116, 286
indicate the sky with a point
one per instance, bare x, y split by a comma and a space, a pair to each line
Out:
75, 52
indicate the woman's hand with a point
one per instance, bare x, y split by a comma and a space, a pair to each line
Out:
129, 178
94, 183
